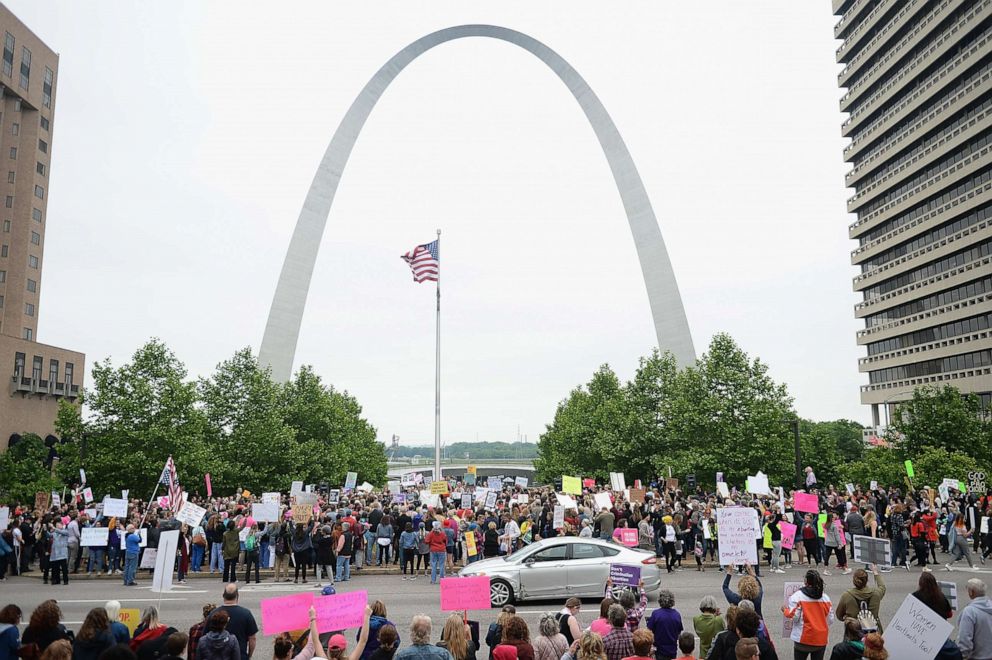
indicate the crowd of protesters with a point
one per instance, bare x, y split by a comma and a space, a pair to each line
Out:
433, 535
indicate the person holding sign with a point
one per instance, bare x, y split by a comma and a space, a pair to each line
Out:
811, 614
862, 596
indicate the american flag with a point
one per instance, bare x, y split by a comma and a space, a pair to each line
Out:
425, 262
171, 479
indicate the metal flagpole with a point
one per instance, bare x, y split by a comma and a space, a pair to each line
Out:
437, 371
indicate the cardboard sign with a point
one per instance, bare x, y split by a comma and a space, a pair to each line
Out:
559, 517
872, 551
735, 535
94, 536
672, 484
805, 502
130, 617
915, 632
465, 593
789, 589
571, 485
624, 575
628, 537
271, 498
470, 546
114, 507
341, 611
286, 613
41, 501
439, 488
350, 480
637, 495
617, 482
301, 515
191, 514
788, 534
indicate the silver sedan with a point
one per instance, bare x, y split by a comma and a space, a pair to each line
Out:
561, 567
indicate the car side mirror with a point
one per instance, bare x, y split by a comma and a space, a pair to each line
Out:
529, 561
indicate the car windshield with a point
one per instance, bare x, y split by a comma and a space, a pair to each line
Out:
519, 553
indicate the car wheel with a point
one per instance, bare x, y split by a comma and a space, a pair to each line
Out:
500, 593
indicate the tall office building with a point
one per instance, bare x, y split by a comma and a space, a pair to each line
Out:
917, 83
40, 375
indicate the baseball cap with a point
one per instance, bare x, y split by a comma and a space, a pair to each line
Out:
337, 642
329, 590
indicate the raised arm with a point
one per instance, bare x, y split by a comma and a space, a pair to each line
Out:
363, 637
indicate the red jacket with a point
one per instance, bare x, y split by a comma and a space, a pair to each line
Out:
437, 540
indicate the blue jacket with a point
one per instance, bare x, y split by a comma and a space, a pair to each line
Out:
10, 641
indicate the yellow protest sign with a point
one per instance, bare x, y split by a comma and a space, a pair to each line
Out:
130, 617
470, 543
571, 485
439, 488
246, 494
470, 469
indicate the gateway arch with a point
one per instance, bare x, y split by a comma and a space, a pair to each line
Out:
282, 329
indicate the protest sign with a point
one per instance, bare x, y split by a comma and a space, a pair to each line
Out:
271, 498
264, 512
950, 591
87, 495
805, 502
976, 482
130, 617
114, 507
721, 488
624, 575
90, 513
350, 480
210, 489
56, 500
672, 484
41, 501
911, 474
399, 498
491, 500
872, 551
628, 536
523, 498
466, 500
850, 489
82, 476
471, 469
366, 487
296, 487
4, 517
758, 484
148, 558
439, 488
480, 494
470, 547
571, 485
309, 499
617, 481
559, 517
341, 611
789, 589
915, 632
874, 485
465, 593
469, 479
406, 480
602, 500
163, 502
494, 483
521, 482
301, 513
735, 535
333, 495
566, 501
193, 515
93, 536
143, 535
165, 561
637, 495
788, 534
286, 613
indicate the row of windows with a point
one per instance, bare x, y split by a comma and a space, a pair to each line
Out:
927, 335
25, 68
922, 144
975, 144
920, 49
976, 180
963, 292
38, 362
923, 111
896, 36
950, 262
930, 367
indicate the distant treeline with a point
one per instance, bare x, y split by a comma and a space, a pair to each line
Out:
475, 450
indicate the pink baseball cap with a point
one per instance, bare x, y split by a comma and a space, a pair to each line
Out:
337, 642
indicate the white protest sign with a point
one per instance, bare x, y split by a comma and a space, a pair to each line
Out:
721, 487
521, 481
87, 494
265, 512
915, 632
148, 558
90, 513
142, 534
168, 543
191, 514
617, 481
93, 536
790, 588
407, 479
566, 501
56, 500
4, 517
271, 498
850, 489
296, 487
602, 501
466, 500
114, 507
559, 520
366, 487
874, 485
758, 484
124, 494
480, 494
523, 498
82, 476
735, 535
491, 500
350, 480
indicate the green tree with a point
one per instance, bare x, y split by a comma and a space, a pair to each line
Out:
828, 446
253, 446
942, 417
23, 472
881, 464
934, 464
331, 432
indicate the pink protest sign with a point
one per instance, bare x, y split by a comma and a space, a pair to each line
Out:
588, 483
465, 593
210, 490
628, 537
806, 502
788, 534
164, 501
286, 613
341, 611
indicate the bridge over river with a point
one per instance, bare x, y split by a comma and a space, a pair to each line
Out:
484, 469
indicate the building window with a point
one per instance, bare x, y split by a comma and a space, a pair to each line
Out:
17, 105
13, 153
8, 54
45, 124
1, 302
6, 226
15, 129
36, 214
10, 176
29, 309
19, 359
9, 202
39, 192
40, 168
25, 68
3, 276
35, 238
36, 364
46, 88
53, 371
68, 373
32, 286
33, 261
28, 334
43, 146
3, 250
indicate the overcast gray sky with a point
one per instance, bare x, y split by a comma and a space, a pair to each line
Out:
187, 134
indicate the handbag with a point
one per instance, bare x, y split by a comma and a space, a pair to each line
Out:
199, 539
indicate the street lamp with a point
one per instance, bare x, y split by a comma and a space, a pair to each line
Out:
794, 424
885, 404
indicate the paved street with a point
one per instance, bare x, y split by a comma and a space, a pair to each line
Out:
181, 607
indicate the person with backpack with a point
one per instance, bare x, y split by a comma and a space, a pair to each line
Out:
345, 549
854, 602
282, 553
252, 553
